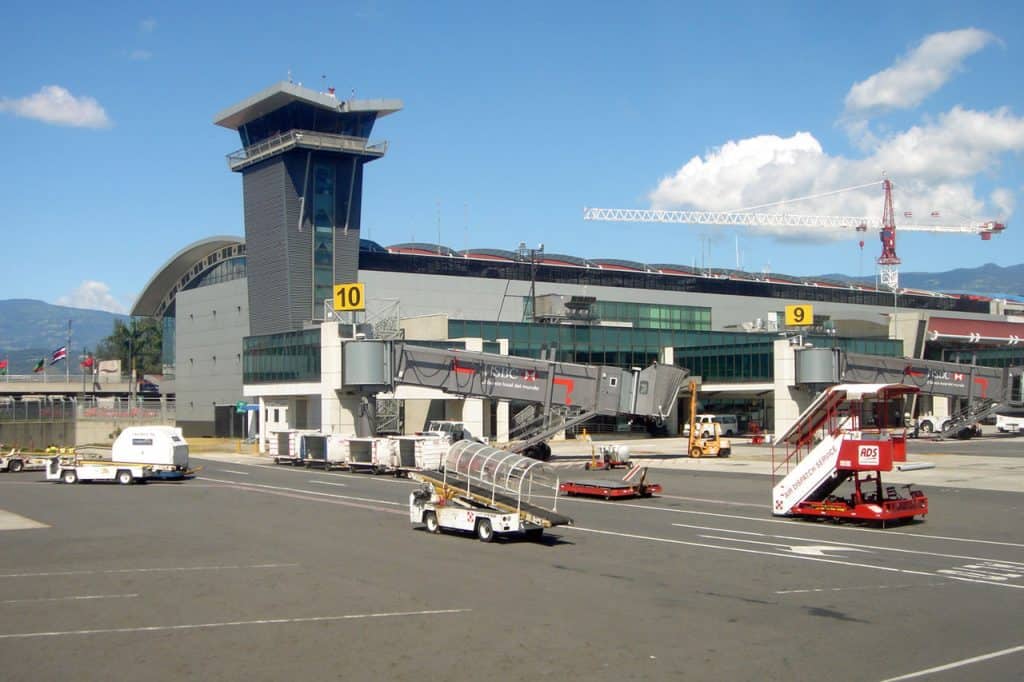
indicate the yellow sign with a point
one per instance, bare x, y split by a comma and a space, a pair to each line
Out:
349, 297
799, 315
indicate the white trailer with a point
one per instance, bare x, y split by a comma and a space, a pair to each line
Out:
465, 514
140, 453
17, 460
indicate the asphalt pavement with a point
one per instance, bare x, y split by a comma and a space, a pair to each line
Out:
253, 571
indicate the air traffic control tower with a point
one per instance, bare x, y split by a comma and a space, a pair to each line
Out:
301, 162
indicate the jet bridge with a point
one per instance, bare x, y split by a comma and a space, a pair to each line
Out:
565, 393
983, 390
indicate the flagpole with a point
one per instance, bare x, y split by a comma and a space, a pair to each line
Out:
67, 363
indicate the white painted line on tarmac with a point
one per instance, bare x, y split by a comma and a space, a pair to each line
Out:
235, 623
791, 522
864, 587
317, 493
851, 544
171, 569
956, 664
80, 597
12, 521
332, 474
707, 501
232, 471
889, 569
316, 480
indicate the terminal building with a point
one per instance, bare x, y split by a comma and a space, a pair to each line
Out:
250, 319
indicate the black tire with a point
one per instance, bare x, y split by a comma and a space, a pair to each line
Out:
484, 530
124, 477
69, 476
696, 451
725, 452
430, 520
925, 427
15, 465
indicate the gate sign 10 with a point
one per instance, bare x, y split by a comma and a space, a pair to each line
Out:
799, 315
349, 297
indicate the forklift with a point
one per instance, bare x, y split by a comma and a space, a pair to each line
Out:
700, 445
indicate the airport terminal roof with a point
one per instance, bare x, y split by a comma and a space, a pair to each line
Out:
168, 280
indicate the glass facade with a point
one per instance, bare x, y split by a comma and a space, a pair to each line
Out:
224, 271
291, 356
323, 236
654, 316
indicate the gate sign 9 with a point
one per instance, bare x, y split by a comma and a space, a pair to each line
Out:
349, 297
799, 315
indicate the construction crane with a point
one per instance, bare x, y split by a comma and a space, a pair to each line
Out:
888, 261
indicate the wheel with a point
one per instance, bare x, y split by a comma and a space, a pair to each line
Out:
695, 451
69, 476
430, 519
724, 452
15, 465
124, 477
926, 427
484, 530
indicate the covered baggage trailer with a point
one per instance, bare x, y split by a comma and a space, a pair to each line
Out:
15, 460
488, 492
140, 453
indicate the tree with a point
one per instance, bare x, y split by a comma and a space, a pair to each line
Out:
141, 340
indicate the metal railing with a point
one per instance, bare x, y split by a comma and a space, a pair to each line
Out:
73, 380
306, 139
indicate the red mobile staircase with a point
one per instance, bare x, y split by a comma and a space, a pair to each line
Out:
844, 435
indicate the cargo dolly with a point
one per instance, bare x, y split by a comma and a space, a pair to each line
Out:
633, 484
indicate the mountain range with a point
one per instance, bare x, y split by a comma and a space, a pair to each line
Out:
30, 330
986, 280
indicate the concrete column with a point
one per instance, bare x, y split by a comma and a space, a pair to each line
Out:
331, 379
261, 435
789, 401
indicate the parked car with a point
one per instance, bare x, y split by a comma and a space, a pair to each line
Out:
729, 425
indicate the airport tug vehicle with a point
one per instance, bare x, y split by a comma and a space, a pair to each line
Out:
850, 434
487, 492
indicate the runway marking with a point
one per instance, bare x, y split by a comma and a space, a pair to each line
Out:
313, 495
232, 471
12, 521
783, 555
865, 587
82, 597
318, 481
851, 544
171, 569
956, 664
235, 623
791, 522
304, 470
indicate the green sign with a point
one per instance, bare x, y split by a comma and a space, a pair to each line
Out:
240, 406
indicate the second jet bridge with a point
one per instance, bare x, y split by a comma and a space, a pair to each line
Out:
565, 393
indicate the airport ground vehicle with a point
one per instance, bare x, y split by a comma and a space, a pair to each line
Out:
488, 492
633, 484
15, 460
728, 425
850, 433
1009, 423
139, 453
703, 442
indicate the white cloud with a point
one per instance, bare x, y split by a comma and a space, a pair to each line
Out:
1004, 200
919, 73
147, 25
92, 295
54, 104
140, 55
933, 165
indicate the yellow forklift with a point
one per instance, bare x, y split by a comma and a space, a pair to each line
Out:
701, 445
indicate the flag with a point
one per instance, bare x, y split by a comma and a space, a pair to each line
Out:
58, 355
3, 366
40, 366
88, 362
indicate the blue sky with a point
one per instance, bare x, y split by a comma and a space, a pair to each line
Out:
517, 115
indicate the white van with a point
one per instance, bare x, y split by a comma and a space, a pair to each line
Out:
729, 425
